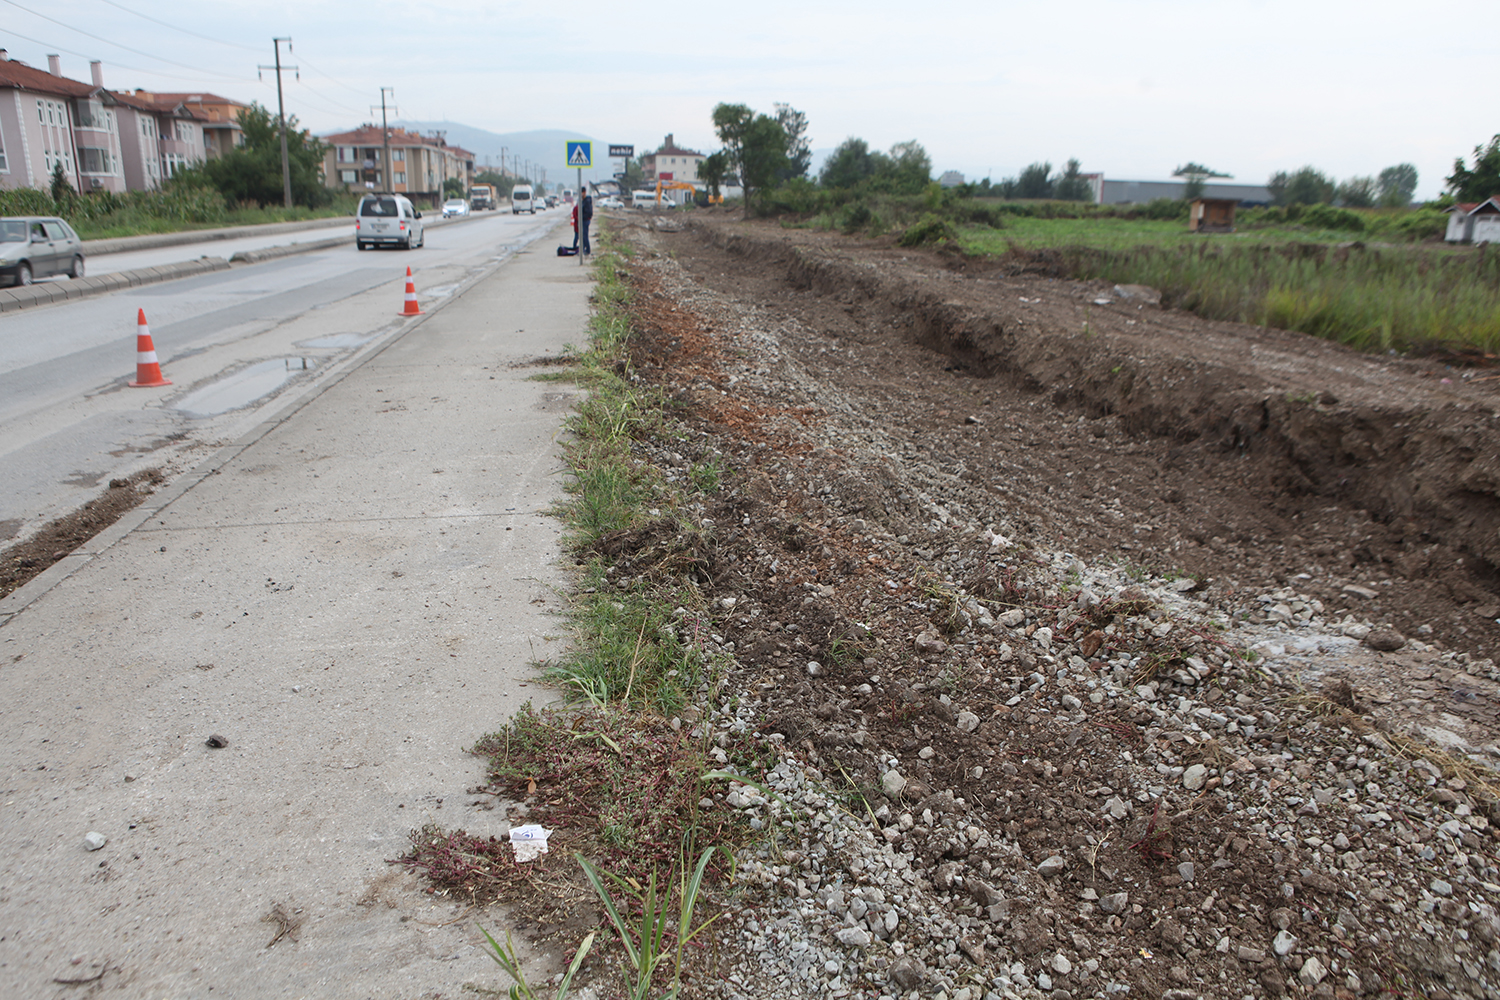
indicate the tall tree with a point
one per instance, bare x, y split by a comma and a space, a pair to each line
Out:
712, 171
754, 144
849, 165
1396, 185
910, 167
252, 171
798, 152
1356, 192
1483, 181
1035, 181
1307, 186
1072, 185
1196, 174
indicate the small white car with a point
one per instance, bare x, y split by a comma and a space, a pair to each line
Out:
387, 220
611, 202
455, 206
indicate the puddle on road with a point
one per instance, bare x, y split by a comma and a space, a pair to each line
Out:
336, 341
244, 387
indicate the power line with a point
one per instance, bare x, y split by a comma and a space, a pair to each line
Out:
127, 48
341, 83
83, 55
174, 27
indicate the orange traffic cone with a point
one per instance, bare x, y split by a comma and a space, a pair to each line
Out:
411, 297
147, 370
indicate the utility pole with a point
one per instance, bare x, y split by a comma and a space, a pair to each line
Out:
503, 150
286, 161
385, 134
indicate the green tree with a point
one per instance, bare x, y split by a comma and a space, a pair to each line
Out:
453, 187
1483, 181
1035, 181
62, 191
1356, 192
1396, 185
909, 168
754, 147
252, 172
1072, 185
1307, 186
1196, 174
798, 153
849, 165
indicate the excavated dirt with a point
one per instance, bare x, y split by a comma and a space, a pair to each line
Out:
1152, 654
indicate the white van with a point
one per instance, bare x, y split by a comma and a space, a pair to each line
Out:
643, 198
522, 200
387, 220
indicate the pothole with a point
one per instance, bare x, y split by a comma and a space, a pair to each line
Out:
244, 386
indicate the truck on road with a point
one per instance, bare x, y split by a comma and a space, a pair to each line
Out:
482, 196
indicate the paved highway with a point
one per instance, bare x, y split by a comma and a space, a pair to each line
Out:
231, 342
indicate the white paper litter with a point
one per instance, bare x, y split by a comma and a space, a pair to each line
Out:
529, 841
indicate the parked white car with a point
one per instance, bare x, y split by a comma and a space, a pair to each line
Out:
611, 202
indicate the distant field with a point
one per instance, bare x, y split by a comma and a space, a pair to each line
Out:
1350, 287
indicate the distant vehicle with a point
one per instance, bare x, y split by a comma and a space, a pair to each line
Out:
643, 198
388, 220
38, 246
552, 201
482, 196
522, 200
455, 206
611, 202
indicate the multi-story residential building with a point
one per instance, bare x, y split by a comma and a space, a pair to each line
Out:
103, 141
219, 118
681, 164
419, 163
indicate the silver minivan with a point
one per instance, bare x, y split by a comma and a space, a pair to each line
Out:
522, 199
387, 220
37, 246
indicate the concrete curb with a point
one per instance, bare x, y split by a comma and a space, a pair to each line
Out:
286, 250
13, 299
155, 240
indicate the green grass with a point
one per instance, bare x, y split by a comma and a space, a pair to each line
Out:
1373, 296
135, 213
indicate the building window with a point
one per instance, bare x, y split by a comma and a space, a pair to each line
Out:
398, 156
400, 177
91, 114
348, 176
4, 163
185, 132
95, 160
346, 155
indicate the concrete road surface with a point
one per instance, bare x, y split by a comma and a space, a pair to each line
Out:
230, 342
351, 594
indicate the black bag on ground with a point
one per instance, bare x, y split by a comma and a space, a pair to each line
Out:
567, 251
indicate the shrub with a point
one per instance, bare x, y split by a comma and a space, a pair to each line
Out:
1323, 216
930, 229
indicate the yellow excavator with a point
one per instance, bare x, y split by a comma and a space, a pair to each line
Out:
672, 186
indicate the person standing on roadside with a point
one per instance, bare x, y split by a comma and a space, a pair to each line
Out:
585, 217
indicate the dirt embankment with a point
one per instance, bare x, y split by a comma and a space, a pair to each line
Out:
988, 604
1259, 418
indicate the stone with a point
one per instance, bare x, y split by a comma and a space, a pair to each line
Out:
1012, 618
1442, 888
1385, 640
928, 642
1252, 955
1358, 591
1115, 902
93, 840
854, 937
1061, 965
908, 972
1284, 943
1194, 777
892, 784
1186, 870
1052, 865
967, 722
216, 741
1312, 972
1117, 808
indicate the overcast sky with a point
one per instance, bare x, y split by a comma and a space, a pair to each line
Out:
1132, 90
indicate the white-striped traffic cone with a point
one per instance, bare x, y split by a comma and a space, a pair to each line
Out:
411, 297
147, 368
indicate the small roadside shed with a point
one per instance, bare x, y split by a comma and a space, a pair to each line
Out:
1474, 222
1460, 222
1211, 215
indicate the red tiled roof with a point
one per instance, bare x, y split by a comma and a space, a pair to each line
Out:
195, 98
20, 77
370, 135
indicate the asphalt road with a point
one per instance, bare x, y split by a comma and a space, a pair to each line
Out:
351, 593
69, 423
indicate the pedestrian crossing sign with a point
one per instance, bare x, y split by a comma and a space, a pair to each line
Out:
580, 154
